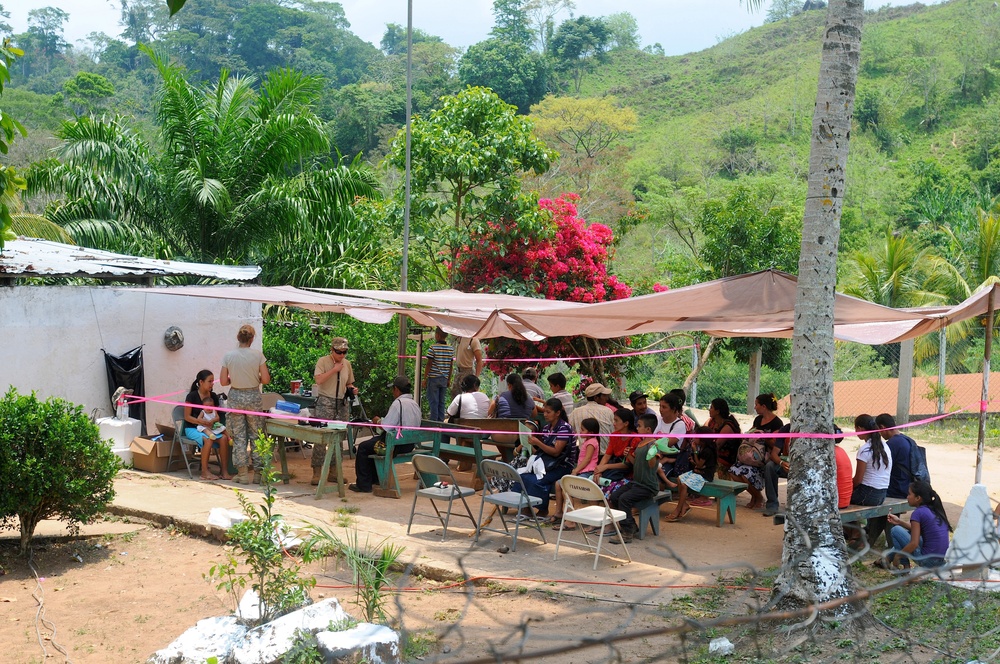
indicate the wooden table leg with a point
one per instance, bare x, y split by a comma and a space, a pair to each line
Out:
341, 488
284, 460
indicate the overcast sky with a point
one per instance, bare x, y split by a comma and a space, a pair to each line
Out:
680, 26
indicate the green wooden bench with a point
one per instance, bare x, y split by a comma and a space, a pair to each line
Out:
473, 454
854, 513
649, 513
505, 447
725, 492
388, 486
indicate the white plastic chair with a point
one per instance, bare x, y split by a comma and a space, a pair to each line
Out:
436, 482
516, 498
598, 516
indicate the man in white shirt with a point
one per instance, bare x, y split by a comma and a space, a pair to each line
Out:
597, 398
532, 387
403, 412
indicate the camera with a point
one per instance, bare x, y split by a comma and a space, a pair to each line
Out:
349, 393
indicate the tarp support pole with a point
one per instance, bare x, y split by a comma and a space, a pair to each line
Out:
986, 388
403, 277
942, 364
753, 384
904, 386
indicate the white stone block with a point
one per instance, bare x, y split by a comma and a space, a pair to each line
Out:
268, 643
211, 637
365, 642
974, 541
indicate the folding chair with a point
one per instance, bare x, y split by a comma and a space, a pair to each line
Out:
181, 441
515, 498
436, 482
599, 515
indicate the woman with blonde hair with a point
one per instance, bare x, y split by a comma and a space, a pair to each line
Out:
244, 370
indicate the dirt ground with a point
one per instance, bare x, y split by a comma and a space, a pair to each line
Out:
120, 596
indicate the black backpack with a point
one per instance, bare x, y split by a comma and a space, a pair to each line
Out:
918, 461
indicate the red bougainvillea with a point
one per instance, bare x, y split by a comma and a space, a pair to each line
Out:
566, 260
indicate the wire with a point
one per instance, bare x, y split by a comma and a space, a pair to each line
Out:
39, 596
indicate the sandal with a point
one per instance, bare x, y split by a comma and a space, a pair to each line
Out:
677, 517
568, 525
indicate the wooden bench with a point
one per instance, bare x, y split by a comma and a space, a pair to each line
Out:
725, 492
854, 513
649, 513
385, 463
473, 454
506, 449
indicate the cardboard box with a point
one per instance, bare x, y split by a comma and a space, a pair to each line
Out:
151, 456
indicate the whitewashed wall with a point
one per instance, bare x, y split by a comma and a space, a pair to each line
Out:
53, 335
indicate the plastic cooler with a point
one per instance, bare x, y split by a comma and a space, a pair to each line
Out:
119, 434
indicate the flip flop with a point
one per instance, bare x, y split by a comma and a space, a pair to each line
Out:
677, 517
211, 478
569, 525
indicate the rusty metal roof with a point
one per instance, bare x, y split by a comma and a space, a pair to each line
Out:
31, 257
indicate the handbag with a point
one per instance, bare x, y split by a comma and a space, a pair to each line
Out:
751, 453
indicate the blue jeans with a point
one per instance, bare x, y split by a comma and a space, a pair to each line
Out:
866, 495
437, 393
901, 537
772, 471
541, 488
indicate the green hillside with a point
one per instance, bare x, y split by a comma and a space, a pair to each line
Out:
741, 112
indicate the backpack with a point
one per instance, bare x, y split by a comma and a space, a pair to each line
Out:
751, 453
918, 462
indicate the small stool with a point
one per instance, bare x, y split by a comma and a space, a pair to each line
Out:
649, 512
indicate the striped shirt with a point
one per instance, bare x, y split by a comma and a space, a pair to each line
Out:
441, 357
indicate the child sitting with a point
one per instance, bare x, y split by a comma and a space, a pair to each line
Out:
704, 460
589, 453
644, 484
925, 537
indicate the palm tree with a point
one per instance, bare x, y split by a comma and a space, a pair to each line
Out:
891, 274
240, 172
969, 262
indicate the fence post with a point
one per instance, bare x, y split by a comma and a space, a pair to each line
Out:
942, 361
753, 384
905, 384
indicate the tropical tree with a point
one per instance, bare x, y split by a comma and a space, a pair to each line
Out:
10, 182
590, 136
240, 171
577, 46
968, 262
467, 158
891, 274
814, 562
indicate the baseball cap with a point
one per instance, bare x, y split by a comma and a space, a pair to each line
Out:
401, 383
594, 389
636, 395
338, 343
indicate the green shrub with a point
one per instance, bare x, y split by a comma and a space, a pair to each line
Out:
53, 463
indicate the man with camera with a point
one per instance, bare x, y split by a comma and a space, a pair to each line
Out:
335, 379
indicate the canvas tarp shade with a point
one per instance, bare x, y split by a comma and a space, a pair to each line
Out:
126, 371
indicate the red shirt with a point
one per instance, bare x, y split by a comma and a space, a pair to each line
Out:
620, 446
845, 477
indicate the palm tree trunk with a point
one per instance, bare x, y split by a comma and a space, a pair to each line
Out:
814, 557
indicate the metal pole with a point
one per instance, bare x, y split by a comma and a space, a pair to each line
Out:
942, 361
986, 388
401, 345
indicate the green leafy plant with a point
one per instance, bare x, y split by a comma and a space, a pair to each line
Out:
370, 564
259, 558
53, 463
304, 650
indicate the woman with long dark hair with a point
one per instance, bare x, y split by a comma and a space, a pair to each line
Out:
202, 423
767, 421
555, 445
515, 402
925, 537
874, 463
614, 467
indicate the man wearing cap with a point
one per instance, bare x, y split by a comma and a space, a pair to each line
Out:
640, 406
403, 412
597, 396
335, 378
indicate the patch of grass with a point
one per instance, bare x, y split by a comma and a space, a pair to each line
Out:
448, 615
417, 645
956, 620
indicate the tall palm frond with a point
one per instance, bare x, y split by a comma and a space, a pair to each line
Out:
891, 274
34, 225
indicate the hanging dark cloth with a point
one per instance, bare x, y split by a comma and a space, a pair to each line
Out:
126, 371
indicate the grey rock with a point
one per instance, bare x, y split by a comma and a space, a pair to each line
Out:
268, 643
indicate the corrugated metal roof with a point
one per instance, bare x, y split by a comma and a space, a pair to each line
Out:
30, 257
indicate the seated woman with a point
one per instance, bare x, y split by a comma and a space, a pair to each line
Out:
720, 420
925, 537
555, 445
871, 475
767, 421
704, 459
514, 403
614, 467
471, 402
203, 414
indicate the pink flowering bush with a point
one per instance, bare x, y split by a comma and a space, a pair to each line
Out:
566, 259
